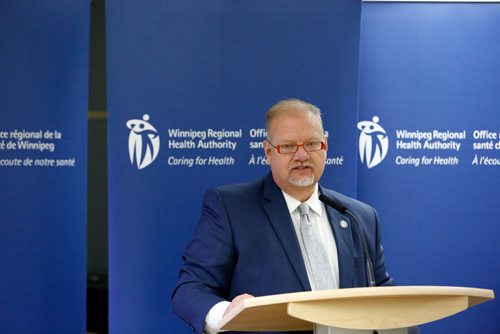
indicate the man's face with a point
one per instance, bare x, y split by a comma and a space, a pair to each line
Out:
295, 173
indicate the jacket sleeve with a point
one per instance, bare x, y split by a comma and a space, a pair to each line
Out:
205, 275
382, 277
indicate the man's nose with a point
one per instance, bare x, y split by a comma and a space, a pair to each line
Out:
301, 154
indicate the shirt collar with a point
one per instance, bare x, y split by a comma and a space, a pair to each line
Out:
313, 202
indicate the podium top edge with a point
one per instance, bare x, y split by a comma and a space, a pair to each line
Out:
257, 304
353, 293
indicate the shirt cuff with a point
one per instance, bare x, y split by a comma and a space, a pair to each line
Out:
214, 316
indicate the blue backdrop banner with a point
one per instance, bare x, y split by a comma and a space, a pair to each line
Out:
429, 135
43, 124
189, 83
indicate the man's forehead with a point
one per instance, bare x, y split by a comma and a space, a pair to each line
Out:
308, 120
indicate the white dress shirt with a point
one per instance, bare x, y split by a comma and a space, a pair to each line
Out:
319, 220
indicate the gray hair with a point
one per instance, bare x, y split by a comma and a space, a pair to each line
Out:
291, 106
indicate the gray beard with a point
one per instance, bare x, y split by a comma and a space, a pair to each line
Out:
305, 181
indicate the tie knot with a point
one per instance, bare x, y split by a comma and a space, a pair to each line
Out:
304, 209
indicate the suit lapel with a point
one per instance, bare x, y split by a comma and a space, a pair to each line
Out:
277, 211
279, 217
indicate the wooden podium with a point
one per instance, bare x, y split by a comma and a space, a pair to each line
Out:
377, 308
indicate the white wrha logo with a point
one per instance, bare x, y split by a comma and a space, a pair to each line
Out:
373, 142
143, 142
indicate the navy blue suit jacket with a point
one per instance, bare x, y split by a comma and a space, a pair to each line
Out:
246, 243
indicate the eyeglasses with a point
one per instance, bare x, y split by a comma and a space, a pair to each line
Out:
292, 148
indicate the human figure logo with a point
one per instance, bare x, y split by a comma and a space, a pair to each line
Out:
373, 142
143, 142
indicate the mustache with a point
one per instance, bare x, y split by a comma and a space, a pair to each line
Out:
299, 164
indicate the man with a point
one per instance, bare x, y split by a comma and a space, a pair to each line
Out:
250, 239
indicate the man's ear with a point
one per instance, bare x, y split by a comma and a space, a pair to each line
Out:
267, 149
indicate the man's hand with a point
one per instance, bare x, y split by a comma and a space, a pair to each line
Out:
236, 301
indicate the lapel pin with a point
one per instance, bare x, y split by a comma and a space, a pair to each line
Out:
343, 224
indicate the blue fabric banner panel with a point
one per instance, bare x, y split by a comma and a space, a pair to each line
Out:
189, 83
43, 134
429, 143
